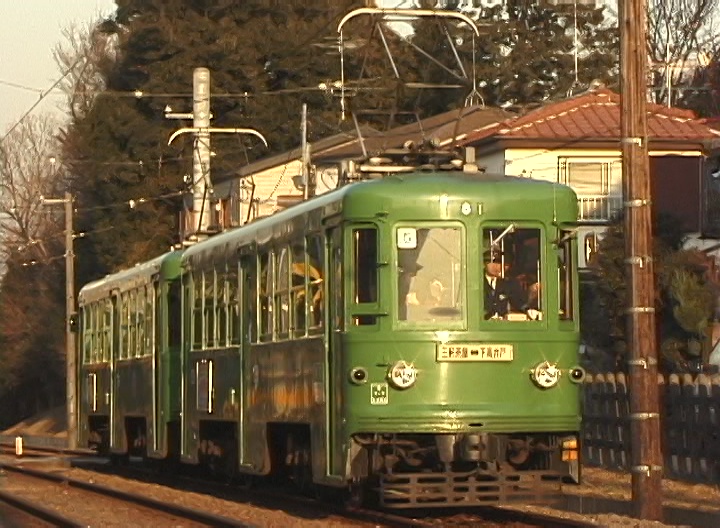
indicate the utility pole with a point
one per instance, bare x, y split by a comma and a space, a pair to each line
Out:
647, 469
70, 374
201, 129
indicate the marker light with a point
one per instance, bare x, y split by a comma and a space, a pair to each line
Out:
402, 375
358, 375
546, 375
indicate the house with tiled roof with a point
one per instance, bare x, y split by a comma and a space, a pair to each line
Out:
577, 142
269, 184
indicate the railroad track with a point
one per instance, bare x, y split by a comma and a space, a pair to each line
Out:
35, 510
145, 505
275, 499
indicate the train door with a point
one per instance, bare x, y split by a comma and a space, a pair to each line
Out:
335, 325
159, 346
109, 385
246, 319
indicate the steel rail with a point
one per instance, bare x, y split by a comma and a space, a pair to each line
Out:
207, 518
39, 512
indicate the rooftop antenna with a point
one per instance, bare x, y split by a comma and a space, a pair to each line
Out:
474, 98
576, 82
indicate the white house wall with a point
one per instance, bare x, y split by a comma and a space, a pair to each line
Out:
493, 163
274, 182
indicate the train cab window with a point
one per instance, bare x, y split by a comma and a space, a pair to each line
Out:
430, 278
198, 292
315, 273
365, 271
565, 273
512, 274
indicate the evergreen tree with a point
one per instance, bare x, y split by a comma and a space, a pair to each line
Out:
525, 55
263, 67
684, 296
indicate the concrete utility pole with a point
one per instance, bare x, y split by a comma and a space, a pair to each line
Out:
305, 158
647, 469
70, 365
201, 116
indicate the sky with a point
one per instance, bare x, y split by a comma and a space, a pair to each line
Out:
29, 31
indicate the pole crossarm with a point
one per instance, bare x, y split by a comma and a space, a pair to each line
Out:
212, 130
408, 13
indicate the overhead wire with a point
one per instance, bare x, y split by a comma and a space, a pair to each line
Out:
41, 98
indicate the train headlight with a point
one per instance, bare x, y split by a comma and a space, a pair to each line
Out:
546, 375
402, 375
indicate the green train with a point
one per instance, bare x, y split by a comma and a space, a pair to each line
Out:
415, 336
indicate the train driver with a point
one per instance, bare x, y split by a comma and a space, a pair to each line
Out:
501, 294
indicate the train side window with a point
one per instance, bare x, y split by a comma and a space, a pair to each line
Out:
251, 298
139, 321
565, 274
150, 318
221, 306
87, 314
209, 303
233, 305
365, 266
265, 297
282, 293
315, 273
124, 326
299, 288
197, 340
105, 320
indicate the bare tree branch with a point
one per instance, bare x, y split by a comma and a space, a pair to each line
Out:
86, 51
29, 169
679, 31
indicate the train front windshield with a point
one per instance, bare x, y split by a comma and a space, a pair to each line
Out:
430, 274
508, 271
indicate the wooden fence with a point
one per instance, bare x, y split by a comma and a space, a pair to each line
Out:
690, 424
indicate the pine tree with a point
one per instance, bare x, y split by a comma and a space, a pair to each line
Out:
525, 54
684, 300
263, 67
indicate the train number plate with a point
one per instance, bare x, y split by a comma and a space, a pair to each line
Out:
475, 352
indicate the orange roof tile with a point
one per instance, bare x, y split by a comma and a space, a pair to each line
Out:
594, 115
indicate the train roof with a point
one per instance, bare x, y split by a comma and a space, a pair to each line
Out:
167, 263
525, 193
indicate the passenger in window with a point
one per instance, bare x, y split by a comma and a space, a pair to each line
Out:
532, 304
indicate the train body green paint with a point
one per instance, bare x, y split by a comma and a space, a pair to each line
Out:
352, 341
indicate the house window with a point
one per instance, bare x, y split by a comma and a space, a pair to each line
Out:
597, 183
